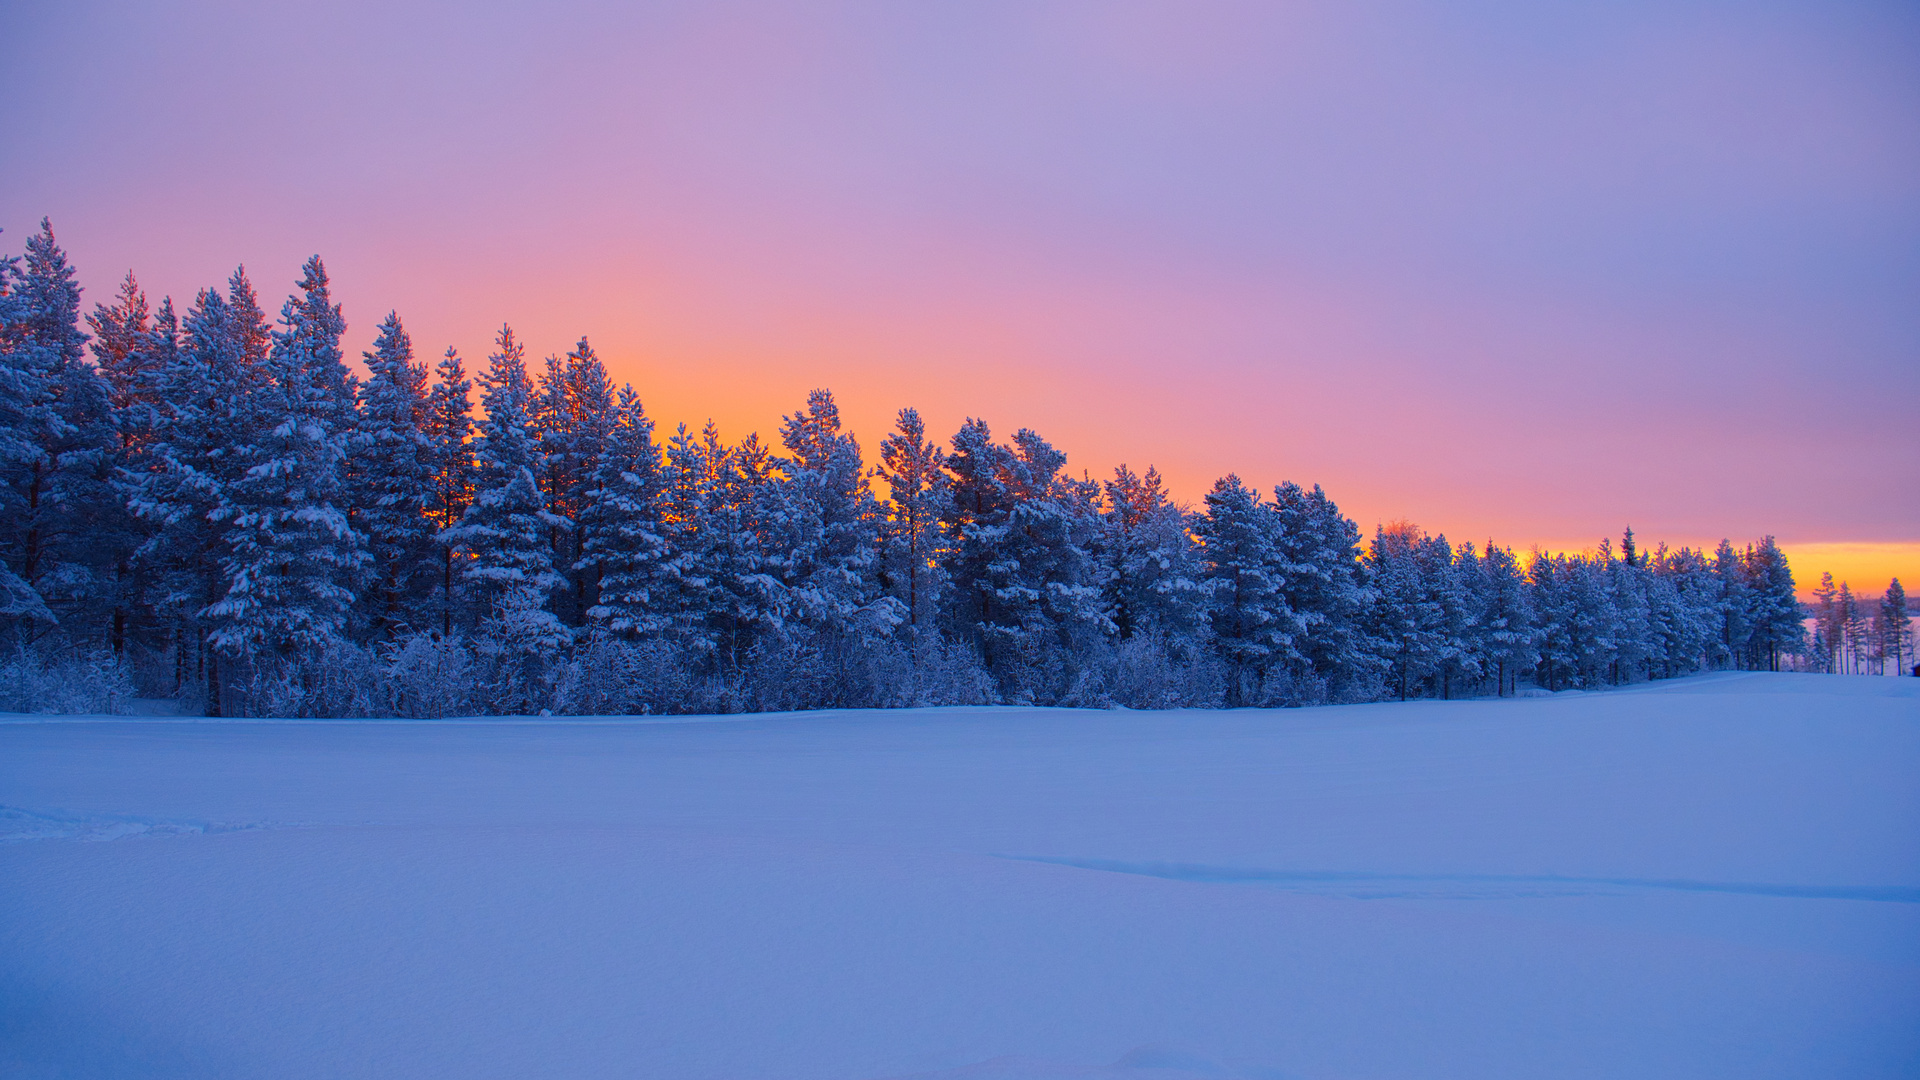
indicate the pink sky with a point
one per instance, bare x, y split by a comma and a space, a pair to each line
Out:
1531, 276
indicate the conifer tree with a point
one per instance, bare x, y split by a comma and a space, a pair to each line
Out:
829, 521
1896, 632
58, 496
1326, 588
218, 369
504, 538
396, 472
911, 540
624, 530
572, 418
449, 424
1778, 625
1026, 583
293, 559
1253, 628
132, 351
1734, 607
1507, 618
1150, 566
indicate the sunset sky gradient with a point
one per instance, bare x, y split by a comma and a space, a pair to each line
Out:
1527, 272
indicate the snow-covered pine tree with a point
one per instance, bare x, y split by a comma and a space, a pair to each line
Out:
622, 523
1734, 606
686, 589
1778, 622
504, 539
1510, 640
1326, 587
293, 559
573, 416
1592, 617
1026, 586
449, 424
396, 473
219, 367
132, 351
911, 541
1464, 660
1632, 638
1405, 622
827, 560
749, 602
1150, 566
61, 512
1253, 629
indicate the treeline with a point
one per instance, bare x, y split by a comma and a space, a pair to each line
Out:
1858, 636
215, 503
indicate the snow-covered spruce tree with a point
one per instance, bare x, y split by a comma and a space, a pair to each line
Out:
1253, 629
1734, 608
1510, 642
63, 527
830, 532
219, 367
573, 416
1451, 659
1327, 589
395, 471
747, 601
1464, 665
133, 350
1406, 621
1593, 619
25, 418
1026, 586
1150, 565
1692, 625
622, 522
292, 559
503, 544
686, 590
911, 542
1634, 644
448, 426
1777, 621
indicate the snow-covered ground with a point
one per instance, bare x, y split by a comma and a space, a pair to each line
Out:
1715, 877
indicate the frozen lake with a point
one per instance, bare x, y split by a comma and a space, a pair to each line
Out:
1712, 877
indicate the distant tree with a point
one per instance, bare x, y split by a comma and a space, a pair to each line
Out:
1896, 631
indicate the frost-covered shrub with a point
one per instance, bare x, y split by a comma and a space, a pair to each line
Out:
609, 677
945, 673
51, 682
429, 677
343, 681
1143, 673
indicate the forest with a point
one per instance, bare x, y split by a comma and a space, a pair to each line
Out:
212, 506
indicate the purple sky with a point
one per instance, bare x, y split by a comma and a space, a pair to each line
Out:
1531, 273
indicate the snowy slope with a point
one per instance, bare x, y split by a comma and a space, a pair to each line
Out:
1715, 877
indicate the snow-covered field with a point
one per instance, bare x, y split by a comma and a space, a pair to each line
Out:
1715, 877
